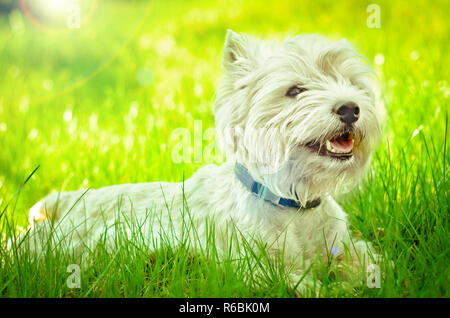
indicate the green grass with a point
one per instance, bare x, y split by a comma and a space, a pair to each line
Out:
72, 103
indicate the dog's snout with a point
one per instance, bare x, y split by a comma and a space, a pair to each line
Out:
348, 112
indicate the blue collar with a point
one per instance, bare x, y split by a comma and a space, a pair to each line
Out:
264, 192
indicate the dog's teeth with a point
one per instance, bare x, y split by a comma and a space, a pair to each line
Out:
330, 147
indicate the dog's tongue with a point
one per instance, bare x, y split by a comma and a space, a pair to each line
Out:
342, 144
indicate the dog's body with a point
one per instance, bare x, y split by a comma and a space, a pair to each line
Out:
302, 118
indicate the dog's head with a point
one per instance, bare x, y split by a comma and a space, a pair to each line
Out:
302, 115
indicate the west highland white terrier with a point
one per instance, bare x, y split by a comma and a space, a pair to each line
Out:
297, 120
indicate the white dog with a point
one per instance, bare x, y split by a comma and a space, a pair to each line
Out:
298, 121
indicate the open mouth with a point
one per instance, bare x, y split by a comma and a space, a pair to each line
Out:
339, 146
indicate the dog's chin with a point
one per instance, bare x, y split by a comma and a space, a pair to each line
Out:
340, 146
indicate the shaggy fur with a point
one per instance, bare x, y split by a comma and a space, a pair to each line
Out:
279, 138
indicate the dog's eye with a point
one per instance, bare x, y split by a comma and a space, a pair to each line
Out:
294, 91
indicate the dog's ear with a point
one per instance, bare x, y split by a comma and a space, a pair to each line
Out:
239, 52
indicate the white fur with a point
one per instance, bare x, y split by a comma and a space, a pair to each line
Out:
251, 96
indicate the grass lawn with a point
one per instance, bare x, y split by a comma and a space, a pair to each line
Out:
97, 105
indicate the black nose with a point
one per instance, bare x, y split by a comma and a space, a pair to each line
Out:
348, 112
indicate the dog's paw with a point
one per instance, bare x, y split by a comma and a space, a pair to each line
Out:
304, 286
37, 213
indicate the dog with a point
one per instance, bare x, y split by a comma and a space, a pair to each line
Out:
298, 121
